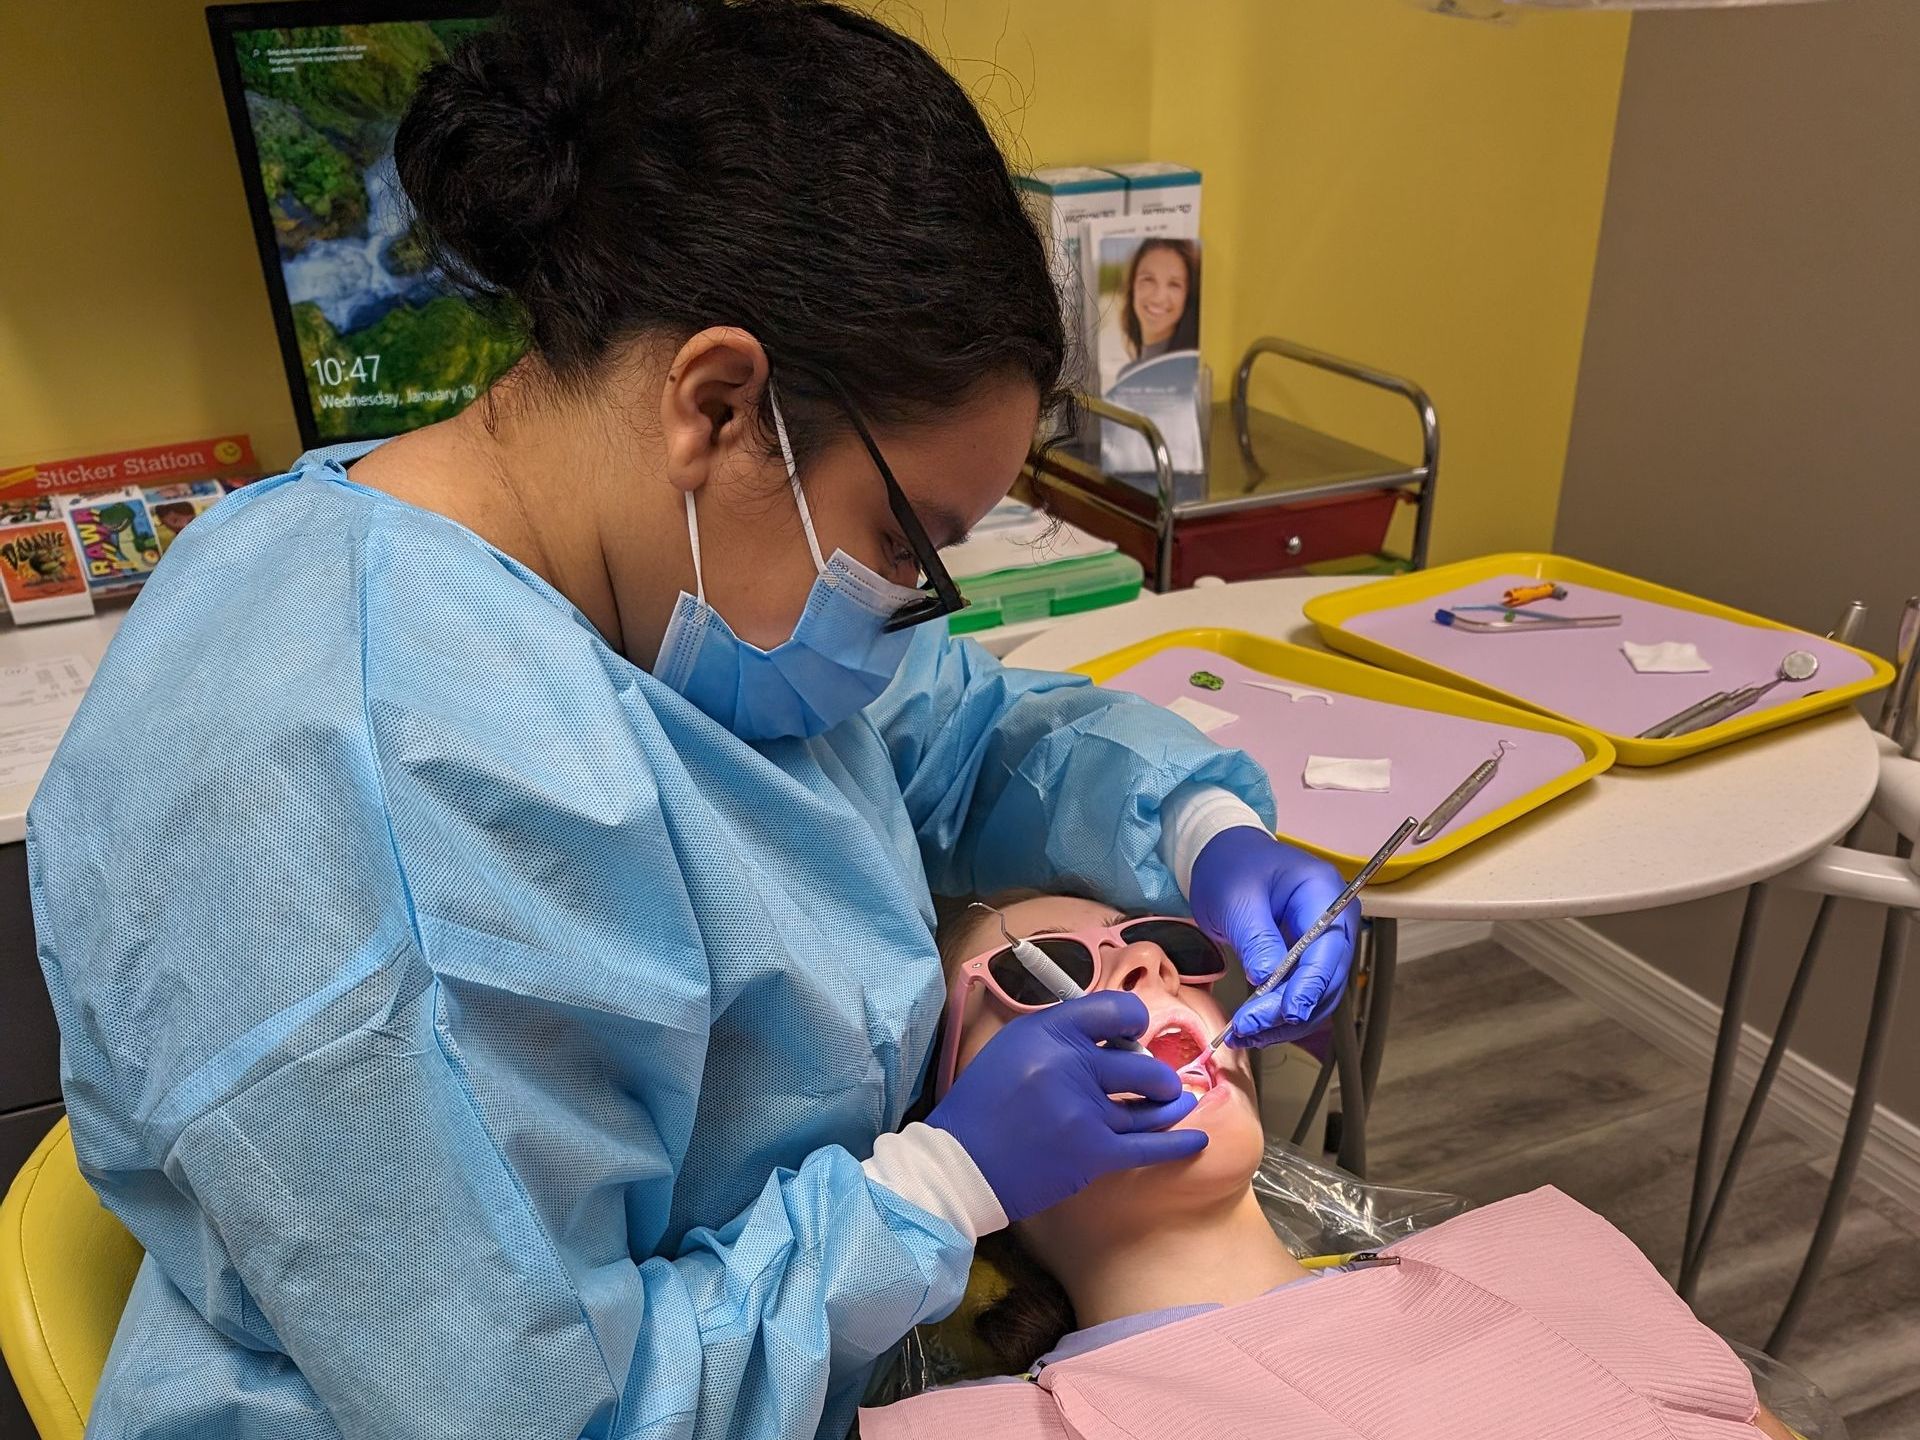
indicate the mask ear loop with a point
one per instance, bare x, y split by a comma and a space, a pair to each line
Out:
793, 478
693, 537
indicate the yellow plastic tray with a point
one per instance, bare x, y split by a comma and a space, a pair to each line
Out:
1348, 677
1330, 614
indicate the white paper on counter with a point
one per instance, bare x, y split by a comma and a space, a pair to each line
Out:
1014, 536
37, 699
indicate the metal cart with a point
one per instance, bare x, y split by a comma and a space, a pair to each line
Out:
1277, 495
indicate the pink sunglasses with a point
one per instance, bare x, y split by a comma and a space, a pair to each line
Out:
1083, 955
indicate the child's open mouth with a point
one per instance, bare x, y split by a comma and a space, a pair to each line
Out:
1182, 1046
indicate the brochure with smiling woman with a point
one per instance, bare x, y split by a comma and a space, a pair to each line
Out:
1145, 271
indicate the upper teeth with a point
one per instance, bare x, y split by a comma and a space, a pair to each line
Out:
1170, 1030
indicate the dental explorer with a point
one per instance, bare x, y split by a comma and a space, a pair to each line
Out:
1319, 927
1457, 799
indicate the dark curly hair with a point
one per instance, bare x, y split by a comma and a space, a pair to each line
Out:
604, 169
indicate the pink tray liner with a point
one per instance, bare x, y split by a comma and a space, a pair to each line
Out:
1584, 676
1431, 753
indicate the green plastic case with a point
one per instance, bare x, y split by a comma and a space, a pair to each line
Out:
1060, 587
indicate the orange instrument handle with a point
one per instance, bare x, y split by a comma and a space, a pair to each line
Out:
1527, 594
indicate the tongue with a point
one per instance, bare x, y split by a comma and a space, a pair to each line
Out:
1175, 1049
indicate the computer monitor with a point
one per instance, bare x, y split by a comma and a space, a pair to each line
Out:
374, 338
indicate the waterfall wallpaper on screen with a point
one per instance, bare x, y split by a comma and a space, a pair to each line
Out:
385, 343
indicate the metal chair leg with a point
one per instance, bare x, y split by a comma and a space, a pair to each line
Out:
1364, 978
1886, 990
1314, 1097
1353, 1088
1763, 1083
1762, 1087
1386, 955
1724, 1052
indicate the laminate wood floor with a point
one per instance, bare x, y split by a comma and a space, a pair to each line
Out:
1497, 1080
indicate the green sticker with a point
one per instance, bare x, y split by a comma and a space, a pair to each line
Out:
1205, 679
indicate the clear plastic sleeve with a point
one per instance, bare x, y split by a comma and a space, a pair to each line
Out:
1801, 1405
1318, 1211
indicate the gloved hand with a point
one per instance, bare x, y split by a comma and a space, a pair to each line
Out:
1032, 1109
1258, 895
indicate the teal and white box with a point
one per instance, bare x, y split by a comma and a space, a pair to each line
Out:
1157, 187
1061, 199
1061, 196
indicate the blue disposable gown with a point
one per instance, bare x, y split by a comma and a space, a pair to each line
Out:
481, 1041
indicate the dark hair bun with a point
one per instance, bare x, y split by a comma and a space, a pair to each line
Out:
489, 150
610, 168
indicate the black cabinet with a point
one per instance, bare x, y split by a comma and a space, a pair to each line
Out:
29, 1064
20, 1131
30, 1052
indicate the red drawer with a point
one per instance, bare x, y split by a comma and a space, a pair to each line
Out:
1257, 543
1246, 546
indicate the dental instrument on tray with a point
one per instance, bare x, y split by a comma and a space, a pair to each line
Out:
1052, 978
1513, 622
1456, 801
1527, 594
1796, 668
1319, 927
1670, 726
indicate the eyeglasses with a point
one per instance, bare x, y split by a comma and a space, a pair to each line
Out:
944, 598
1083, 955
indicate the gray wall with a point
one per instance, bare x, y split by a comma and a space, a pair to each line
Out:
1747, 423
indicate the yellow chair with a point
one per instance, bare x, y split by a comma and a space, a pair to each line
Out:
66, 1266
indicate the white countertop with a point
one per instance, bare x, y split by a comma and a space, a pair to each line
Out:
1628, 840
24, 643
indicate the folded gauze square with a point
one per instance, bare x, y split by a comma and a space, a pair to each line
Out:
1669, 657
1203, 717
1330, 772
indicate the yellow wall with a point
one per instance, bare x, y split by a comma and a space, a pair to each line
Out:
1060, 81
1418, 192
132, 309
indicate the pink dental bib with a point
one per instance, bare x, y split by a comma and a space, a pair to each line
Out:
1530, 1319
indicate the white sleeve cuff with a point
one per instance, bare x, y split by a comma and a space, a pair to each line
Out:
1191, 816
927, 1167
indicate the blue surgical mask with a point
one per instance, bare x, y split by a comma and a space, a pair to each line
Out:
838, 660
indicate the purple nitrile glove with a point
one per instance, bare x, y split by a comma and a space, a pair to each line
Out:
1258, 895
1033, 1109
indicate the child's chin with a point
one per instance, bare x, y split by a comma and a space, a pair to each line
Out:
1232, 1125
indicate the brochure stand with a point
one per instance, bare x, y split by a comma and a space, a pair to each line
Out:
1277, 495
